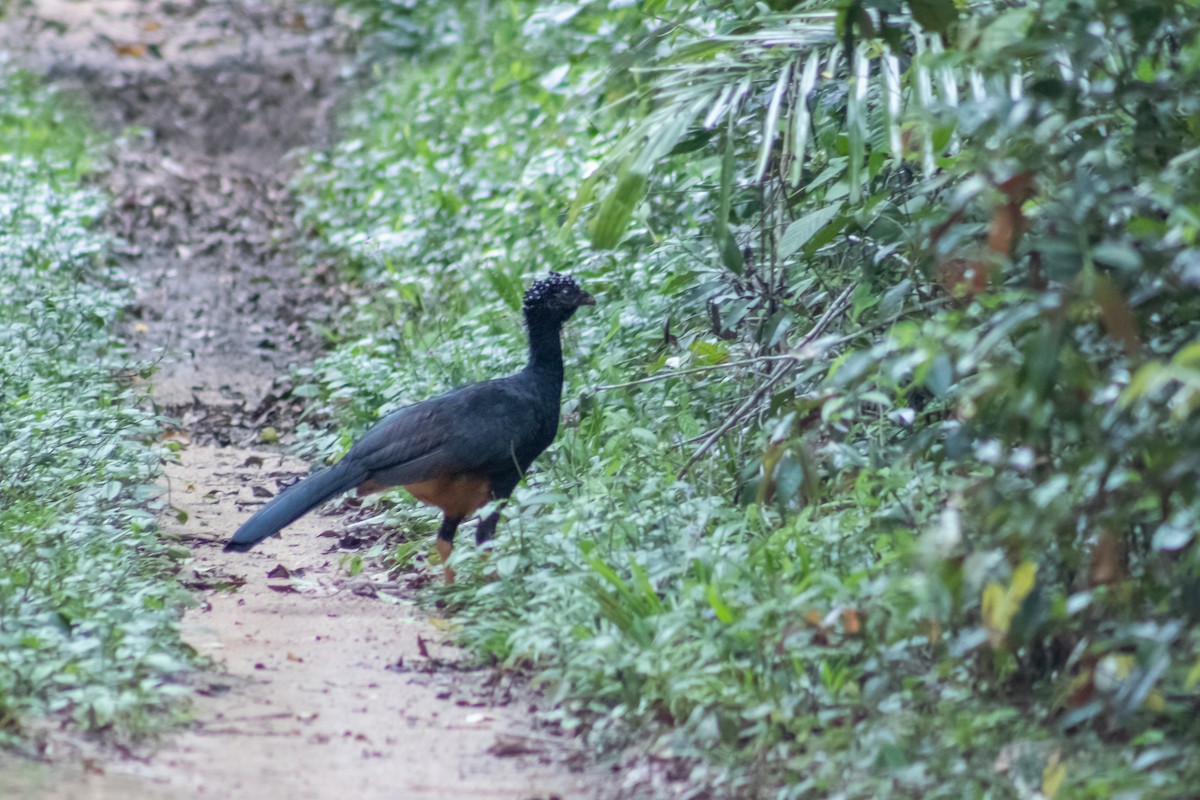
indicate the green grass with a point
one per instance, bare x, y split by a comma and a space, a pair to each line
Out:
89, 610
43, 127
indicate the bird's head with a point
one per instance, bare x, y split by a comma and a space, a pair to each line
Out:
556, 297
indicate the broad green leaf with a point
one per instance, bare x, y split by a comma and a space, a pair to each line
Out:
708, 353
1023, 580
771, 125
731, 254
856, 120
1117, 254
894, 98
715, 601
617, 209
1053, 775
1188, 357
1008, 29
802, 118
1000, 604
935, 16
802, 230
1193, 676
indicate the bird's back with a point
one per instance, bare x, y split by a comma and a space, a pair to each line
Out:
493, 428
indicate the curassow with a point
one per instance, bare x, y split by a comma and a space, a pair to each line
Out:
457, 451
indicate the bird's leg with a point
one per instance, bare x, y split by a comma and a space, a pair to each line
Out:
487, 525
445, 543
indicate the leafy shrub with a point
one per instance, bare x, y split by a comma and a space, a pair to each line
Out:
892, 484
88, 622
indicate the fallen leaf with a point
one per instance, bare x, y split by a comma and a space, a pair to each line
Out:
1008, 221
279, 571
1106, 565
962, 278
1116, 315
132, 49
507, 745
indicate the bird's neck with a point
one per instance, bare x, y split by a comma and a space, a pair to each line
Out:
545, 349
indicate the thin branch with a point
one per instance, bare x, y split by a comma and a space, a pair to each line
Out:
752, 402
746, 362
750, 405
794, 355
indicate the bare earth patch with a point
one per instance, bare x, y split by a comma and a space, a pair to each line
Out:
324, 685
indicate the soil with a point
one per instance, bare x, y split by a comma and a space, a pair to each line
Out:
324, 685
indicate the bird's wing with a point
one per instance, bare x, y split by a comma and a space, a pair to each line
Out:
407, 446
506, 426
486, 428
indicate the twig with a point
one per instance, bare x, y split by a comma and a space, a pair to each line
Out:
745, 362
835, 308
794, 355
752, 402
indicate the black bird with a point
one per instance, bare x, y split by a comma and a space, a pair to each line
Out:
457, 451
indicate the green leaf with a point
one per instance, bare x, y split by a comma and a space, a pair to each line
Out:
708, 353
941, 375
1171, 536
713, 594
1117, 254
771, 125
802, 118
856, 119
731, 254
935, 16
617, 209
802, 230
1188, 357
1008, 29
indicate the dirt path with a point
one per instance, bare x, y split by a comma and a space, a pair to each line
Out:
330, 691
326, 686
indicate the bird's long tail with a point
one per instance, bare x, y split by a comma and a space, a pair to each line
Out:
294, 502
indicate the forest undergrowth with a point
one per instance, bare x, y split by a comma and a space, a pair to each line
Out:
89, 605
879, 468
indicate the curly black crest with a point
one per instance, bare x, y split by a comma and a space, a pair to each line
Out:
557, 290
